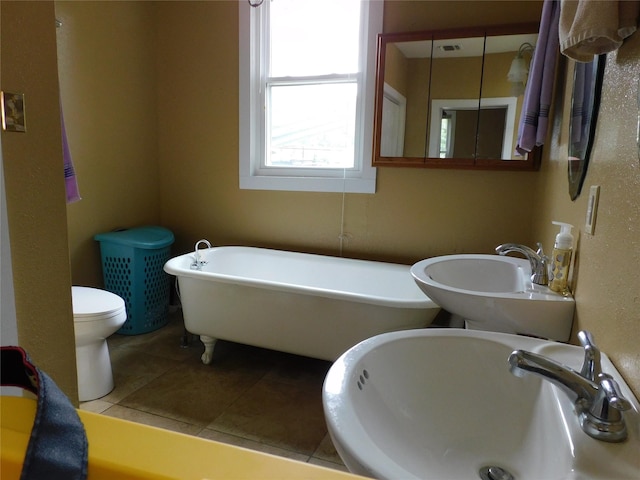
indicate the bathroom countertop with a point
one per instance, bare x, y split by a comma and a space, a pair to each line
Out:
123, 449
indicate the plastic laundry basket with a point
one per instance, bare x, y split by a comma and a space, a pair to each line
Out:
132, 262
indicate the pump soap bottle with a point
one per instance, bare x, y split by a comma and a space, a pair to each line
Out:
558, 279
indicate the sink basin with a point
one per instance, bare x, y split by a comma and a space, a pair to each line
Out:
442, 404
493, 292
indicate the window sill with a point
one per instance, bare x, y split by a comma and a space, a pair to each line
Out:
309, 184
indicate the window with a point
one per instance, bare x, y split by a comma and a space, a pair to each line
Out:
307, 74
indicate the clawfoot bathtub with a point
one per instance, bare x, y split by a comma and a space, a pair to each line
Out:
312, 305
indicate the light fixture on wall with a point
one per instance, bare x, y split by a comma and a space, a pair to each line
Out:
519, 70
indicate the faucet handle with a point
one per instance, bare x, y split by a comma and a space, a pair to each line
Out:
591, 368
602, 418
611, 390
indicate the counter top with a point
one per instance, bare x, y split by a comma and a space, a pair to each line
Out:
123, 449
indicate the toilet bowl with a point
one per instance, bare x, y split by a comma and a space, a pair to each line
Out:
97, 314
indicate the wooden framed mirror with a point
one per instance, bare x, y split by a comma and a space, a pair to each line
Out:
443, 99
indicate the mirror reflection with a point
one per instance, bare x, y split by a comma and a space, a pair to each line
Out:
406, 98
449, 98
456, 80
506, 69
585, 101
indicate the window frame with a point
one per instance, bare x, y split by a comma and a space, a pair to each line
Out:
252, 128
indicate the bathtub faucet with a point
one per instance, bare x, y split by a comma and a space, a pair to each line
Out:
198, 262
537, 259
596, 395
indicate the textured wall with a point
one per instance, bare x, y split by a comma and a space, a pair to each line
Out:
34, 181
606, 281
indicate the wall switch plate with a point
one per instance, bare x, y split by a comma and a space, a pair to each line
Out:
592, 209
12, 112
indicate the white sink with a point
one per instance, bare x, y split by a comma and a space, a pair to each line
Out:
493, 292
442, 404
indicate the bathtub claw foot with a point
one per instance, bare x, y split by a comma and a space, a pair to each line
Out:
209, 343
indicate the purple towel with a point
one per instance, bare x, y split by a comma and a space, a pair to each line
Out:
534, 120
70, 180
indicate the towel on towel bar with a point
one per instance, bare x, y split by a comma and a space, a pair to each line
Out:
534, 119
593, 27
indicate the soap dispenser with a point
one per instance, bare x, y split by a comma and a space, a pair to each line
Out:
561, 259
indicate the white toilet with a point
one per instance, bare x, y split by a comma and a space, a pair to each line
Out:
97, 314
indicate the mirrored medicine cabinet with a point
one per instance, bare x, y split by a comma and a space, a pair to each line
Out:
444, 100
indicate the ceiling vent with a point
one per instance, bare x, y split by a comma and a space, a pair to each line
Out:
449, 48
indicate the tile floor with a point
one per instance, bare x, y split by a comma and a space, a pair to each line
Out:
250, 397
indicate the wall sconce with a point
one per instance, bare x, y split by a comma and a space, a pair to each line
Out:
519, 70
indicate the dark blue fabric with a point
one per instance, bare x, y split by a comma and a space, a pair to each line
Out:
58, 448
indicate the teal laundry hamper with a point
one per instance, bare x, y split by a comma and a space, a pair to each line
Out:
132, 268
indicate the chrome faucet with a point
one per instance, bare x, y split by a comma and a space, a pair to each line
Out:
596, 395
537, 259
198, 263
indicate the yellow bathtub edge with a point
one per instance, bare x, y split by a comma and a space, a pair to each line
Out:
123, 449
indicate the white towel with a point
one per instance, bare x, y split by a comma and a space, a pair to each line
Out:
593, 27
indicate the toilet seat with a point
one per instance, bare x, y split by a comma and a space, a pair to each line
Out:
93, 304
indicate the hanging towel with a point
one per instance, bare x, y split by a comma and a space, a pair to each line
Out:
593, 27
70, 180
534, 119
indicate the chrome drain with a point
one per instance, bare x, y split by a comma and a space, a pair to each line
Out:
495, 473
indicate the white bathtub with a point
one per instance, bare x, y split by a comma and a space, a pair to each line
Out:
311, 305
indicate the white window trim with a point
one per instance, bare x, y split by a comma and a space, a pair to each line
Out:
359, 180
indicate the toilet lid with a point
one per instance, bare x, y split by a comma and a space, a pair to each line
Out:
89, 302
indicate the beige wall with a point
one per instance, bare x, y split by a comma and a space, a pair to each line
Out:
106, 58
396, 69
416, 15
415, 213
417, 115
606, 281
112, 140
34, 188
456, 77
